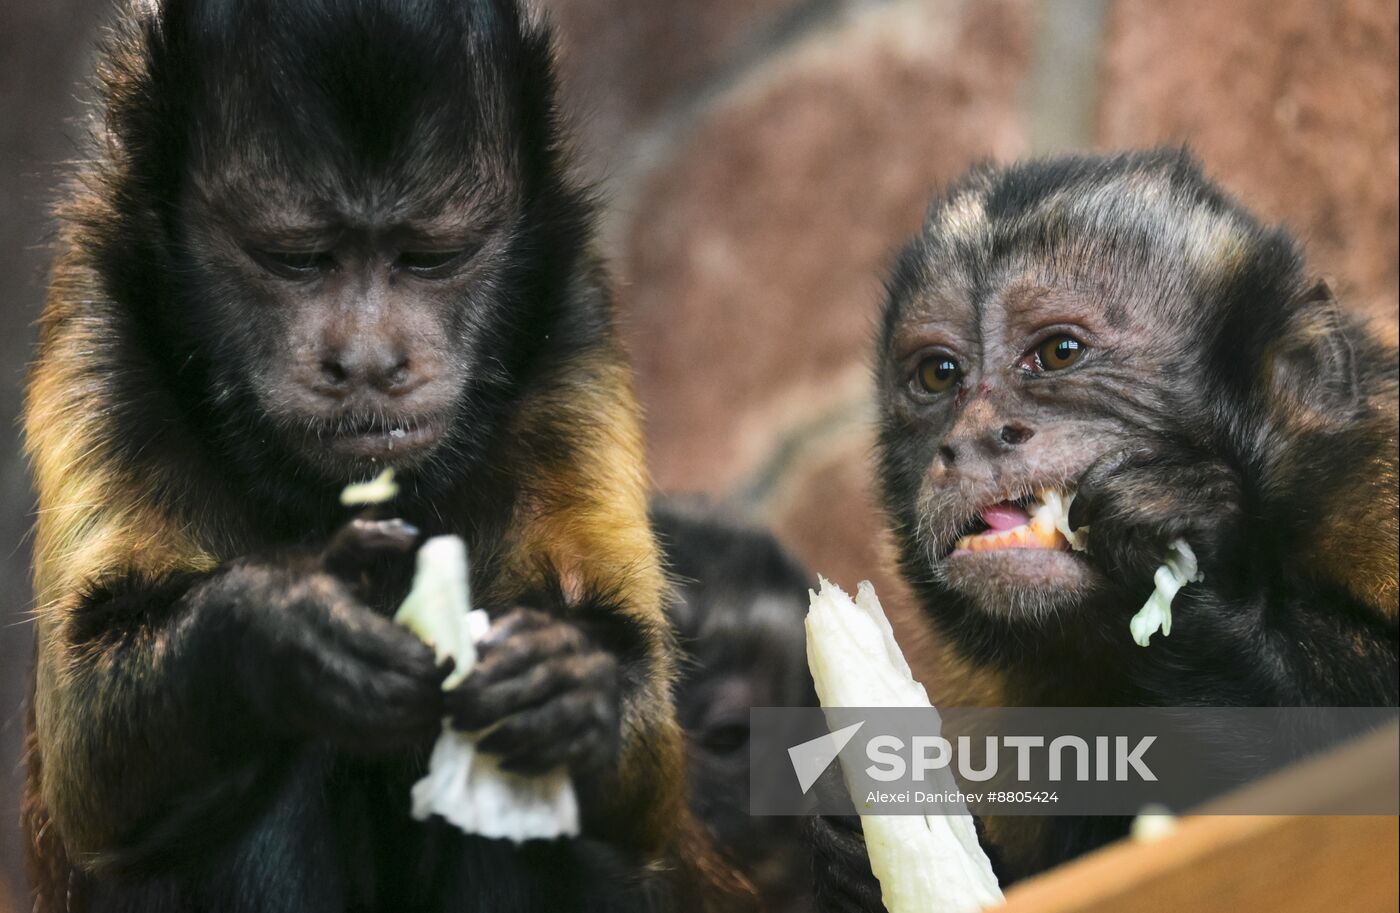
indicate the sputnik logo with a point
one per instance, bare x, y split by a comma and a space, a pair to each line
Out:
810, 758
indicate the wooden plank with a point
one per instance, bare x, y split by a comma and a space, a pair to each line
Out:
1301, 863
1232, 864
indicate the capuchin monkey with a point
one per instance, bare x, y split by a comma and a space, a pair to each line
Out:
1119, 329
740, 604
313, 240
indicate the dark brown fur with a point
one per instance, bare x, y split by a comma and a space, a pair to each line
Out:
164, 505
1220, 396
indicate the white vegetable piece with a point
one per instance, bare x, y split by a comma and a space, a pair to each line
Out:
1152, 823
925, 863
377, 490
1179, 569
464, 786
1054, 511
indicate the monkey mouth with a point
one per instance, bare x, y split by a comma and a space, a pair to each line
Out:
1017, 557
381, 439
1031, 522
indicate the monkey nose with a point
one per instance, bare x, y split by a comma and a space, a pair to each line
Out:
380, 369
1014, 433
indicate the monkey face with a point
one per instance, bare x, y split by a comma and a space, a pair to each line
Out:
351, 224
1046, 319
358, 331
987, 408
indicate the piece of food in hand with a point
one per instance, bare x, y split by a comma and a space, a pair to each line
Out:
377, 490
923, 862
1179, 569
464, 786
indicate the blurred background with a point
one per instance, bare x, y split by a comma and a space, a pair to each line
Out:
763, 159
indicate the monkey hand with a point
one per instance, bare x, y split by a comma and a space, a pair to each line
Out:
312, 660
1137, 502
843, 881
374, 558
548, 692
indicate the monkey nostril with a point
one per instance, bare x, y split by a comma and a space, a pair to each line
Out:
947, 455
1016, 433
333, 372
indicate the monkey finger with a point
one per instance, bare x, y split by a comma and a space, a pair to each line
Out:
509, 657
476, 704
511, 625
539, 730
534, 749
363, 539
1091, 487
389, 708
378, 642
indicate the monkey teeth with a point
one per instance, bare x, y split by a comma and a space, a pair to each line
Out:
1039, 533
1046, 527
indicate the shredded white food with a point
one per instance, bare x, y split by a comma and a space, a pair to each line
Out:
1179, 569
923, 862
464, 786
1054, 510
377, 490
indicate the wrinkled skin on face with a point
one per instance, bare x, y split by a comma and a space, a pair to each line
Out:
347, 272
1061, 325
1118, 329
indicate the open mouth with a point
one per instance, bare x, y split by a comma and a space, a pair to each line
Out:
1039, 521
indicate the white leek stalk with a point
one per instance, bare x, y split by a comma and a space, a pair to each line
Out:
1179, 569
464, 786
925, 863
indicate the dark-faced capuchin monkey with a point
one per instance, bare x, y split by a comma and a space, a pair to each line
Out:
314, 239
738, 613
1120, 329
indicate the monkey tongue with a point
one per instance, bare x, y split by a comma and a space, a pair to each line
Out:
1004, 515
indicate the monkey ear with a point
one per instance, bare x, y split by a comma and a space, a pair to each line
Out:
1313, 366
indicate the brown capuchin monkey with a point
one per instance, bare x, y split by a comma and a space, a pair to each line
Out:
311, 240
1119, 329
738, 613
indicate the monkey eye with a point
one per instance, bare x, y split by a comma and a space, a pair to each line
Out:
1055, 354
431, 264
294, 264
727, 738
937, 374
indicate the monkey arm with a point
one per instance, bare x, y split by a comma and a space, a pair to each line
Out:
1136, 502
165, 710
124, 739
1351, 515
584, 517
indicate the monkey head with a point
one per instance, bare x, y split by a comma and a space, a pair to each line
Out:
1088, 326
740, 602
350, 228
